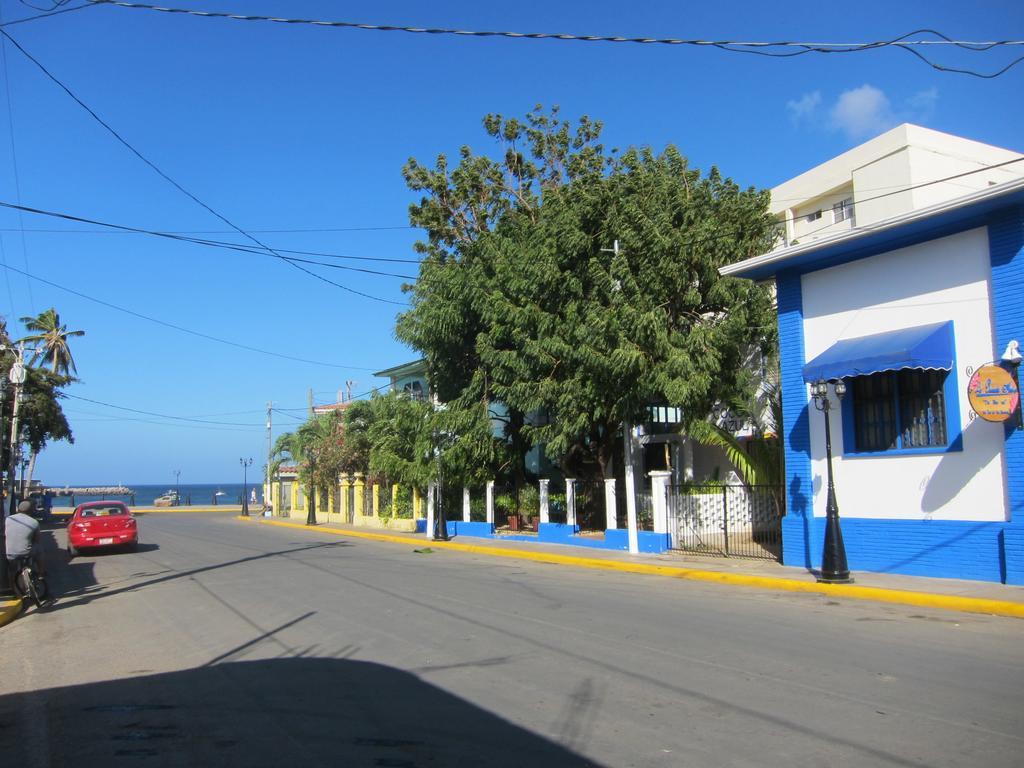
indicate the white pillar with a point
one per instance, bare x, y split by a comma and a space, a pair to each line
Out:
611, 512
430, 511
631, 524
490, 502
570, 501
544, 501
465, 504
659, 499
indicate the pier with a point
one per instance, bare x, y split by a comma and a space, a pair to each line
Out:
99, 491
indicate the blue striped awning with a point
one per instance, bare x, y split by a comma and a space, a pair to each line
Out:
926, 346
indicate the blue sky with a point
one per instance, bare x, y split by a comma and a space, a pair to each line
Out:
285, 127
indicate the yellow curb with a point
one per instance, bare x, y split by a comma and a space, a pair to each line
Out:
169, 511
181, 510
9, 610
878, 594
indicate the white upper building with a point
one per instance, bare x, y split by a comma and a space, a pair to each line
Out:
904, 169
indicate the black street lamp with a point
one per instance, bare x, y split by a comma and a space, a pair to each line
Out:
245, 485
440, 532
177, 487
311, 494
833, 561
1011, 359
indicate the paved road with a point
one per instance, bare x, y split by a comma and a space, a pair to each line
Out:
226, 644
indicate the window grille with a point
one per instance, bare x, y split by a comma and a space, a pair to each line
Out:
897, 410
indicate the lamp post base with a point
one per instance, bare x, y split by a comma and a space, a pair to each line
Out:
835, 579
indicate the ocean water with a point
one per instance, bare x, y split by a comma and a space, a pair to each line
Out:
199, 495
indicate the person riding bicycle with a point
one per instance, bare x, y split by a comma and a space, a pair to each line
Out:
22, 532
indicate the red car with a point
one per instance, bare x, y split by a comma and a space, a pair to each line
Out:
100, 524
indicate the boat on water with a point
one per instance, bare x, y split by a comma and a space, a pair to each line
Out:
169, 499
220, 493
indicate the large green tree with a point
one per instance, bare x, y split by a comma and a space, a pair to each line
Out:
460, 206
41, 417
50, 338
523, 298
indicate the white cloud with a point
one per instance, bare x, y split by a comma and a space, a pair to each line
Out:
922, 104
804, 108
863, 112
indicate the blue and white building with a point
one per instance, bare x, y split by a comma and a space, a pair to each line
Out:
902, 301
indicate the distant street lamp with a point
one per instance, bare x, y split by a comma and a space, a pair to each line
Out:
245, 485
177, 487
311, 490
834, 569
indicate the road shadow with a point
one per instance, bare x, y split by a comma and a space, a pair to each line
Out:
73, 583
115, 551
277, 712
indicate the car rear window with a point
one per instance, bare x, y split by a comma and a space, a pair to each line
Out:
102, 511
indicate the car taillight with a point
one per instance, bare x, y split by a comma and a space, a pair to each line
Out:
130, 522
80, 526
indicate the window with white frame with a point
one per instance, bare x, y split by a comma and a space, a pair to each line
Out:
899, 410
812, 216
842, 211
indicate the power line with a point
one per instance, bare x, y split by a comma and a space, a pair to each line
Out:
46, 15
112, 418
182, 329
178, 186
762, 48
159, 415
124, 228
14, 167
231, 231
204, 241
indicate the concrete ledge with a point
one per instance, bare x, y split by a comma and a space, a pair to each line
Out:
385, 523
774, 583
9, 610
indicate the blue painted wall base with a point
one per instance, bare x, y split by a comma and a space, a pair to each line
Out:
951, 549
560, 533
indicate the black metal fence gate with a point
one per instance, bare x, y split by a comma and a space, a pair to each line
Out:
727, 520
589, 496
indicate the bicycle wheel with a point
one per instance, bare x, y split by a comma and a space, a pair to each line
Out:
26, 586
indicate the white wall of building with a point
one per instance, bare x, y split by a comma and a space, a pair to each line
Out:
802, 229
945, 279
875, 172
878, 187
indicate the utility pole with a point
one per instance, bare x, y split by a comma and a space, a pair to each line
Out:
17, 377
628, 448
5, 584
270, 452
309, 400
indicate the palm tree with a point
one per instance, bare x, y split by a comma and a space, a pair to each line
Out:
51, 339
319, 436
51, 344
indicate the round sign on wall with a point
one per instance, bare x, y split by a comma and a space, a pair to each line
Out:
993, 393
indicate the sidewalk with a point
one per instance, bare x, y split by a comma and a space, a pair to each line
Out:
948, 594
